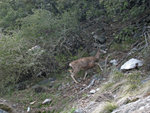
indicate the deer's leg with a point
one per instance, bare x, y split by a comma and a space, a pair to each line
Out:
72, 76
85, 75
99, 66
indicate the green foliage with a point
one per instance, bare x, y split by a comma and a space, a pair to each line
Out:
134, 12
108, 86
45, 23
121, 47
7, 15
9, 57
72, 110
147, 58
114, 7
134, 78
31, 27
16, 61
126, 34
133, 81
109, 107
11, 11
38, 24
117, 76
84, 9
122, 9
45, 28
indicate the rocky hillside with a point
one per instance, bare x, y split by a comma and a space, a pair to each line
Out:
40, 38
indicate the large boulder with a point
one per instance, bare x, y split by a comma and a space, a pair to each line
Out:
131, 64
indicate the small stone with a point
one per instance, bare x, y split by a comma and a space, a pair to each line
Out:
93, 91
14, 105
114, 62
28, 109
97, 89
142, 108
79, 111
32, 103
100, 38
37, 47
46, 101
84, 85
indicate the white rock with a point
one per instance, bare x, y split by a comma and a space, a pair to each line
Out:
46, 101
114, 62
35, 48
32, 103
131, 64
92, 91
97, 89
28, 109
142, 108
93, 33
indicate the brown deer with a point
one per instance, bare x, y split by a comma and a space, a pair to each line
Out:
84, 63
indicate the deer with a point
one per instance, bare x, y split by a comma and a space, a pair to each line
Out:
84, 63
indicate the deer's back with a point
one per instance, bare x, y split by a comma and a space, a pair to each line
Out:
83, 63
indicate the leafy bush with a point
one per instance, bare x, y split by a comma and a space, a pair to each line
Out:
12, 60
44, 24
16, 63
125, 9
147, 58
117, 76
7, 15
40, 28
134, 78
126, 34
109, 107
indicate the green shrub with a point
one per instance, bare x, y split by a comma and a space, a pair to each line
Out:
15, 62
126, 34
134, 78
117, 76
109, 107
7, 15
122, 8
147, 58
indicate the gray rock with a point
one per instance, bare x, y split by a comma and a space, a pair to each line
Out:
123, 101
79, 111
37, 47
131, 64
2, 111
140, 106
92, 91
100, 38
47, 101
114, 62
